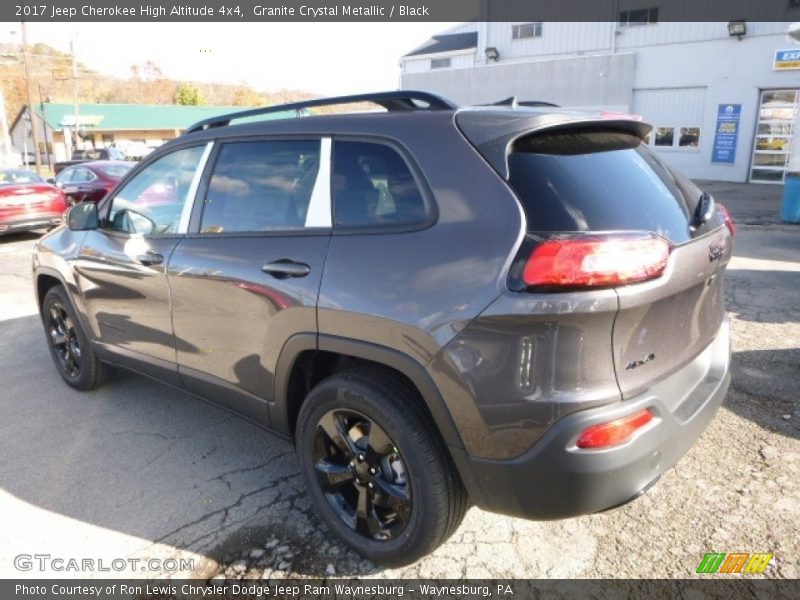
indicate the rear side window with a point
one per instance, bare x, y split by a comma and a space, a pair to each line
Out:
373, 186
261, 186
82, 175
596, 181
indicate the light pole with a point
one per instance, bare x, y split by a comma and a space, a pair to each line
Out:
7, 151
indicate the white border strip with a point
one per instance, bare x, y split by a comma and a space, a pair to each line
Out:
188, 204
319, 207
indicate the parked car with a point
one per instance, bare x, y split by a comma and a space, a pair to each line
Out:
83, 156
92, 180
28, 202
519, 308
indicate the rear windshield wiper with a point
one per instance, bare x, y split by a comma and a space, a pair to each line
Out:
703, 210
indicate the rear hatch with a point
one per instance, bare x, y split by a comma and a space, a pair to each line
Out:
603, 211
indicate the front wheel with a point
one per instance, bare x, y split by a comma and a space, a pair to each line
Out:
70, 348
376, 470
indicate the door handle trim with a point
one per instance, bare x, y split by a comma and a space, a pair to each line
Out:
281, 269
148, 259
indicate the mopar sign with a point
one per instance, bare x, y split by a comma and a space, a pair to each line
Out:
786, 59
724, 150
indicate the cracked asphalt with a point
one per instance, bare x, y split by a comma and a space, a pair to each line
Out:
138, 470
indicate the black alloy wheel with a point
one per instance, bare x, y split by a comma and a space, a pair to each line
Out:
71, 350
375, 468
362, 474
64, 340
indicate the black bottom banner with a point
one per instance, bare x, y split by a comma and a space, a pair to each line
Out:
383, 589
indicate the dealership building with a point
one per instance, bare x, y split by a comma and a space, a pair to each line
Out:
723, 97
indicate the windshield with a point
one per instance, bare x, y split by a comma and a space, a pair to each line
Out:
18, 176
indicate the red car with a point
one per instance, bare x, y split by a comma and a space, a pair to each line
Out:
28, 202
90, 181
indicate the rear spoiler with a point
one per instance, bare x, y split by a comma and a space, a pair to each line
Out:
493, 133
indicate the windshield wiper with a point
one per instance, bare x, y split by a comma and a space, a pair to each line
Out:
703, 210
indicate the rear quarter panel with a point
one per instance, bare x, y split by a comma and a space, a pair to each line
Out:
415, 291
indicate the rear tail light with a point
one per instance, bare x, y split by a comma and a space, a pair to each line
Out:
727, 217
614, 432
595, 261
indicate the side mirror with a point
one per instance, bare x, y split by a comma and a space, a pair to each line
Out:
51, 181
83, 217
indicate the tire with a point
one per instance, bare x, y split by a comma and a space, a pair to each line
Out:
70, 348
364, 443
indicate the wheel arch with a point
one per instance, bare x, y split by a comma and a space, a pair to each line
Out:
45, 280
300, 356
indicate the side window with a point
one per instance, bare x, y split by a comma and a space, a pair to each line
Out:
153, 201
82, 175
261, 186
65, 176
372, 185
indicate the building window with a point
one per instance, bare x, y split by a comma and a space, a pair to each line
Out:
642, 16
440, 63
526, 30
689, 138
664, 136
675, 137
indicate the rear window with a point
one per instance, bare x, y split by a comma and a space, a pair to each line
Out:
596, 181
373, 186
18, 176
118, 171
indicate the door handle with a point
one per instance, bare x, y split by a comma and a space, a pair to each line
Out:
148, 259
281, 269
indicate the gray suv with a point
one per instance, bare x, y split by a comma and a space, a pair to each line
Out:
518, 308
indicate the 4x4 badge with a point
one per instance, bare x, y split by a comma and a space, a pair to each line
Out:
715, 252
638, 363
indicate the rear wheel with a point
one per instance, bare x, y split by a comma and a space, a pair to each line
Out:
377, 473
70, 348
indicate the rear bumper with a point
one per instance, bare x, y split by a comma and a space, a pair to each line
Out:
38, 222
556, 479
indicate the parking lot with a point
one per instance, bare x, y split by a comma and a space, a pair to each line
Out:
140, 470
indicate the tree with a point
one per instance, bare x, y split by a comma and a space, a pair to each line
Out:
188, 95
247, 96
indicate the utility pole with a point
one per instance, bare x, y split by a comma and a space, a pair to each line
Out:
47, 141
74, 91
31, 112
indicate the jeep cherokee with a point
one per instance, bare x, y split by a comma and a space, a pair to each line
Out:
514, 307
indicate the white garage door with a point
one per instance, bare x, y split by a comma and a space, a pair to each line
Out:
676, 115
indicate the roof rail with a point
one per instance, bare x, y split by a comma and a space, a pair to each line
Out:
391, 101
512, 102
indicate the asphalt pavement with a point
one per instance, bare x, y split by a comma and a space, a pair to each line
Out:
137, 470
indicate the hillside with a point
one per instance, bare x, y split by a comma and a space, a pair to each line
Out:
51, 79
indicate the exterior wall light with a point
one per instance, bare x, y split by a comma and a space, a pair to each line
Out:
492, 53
737, 29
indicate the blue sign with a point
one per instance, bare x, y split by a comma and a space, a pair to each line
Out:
727, 133
786, 59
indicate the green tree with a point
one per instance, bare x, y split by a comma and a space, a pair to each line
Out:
188, 95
